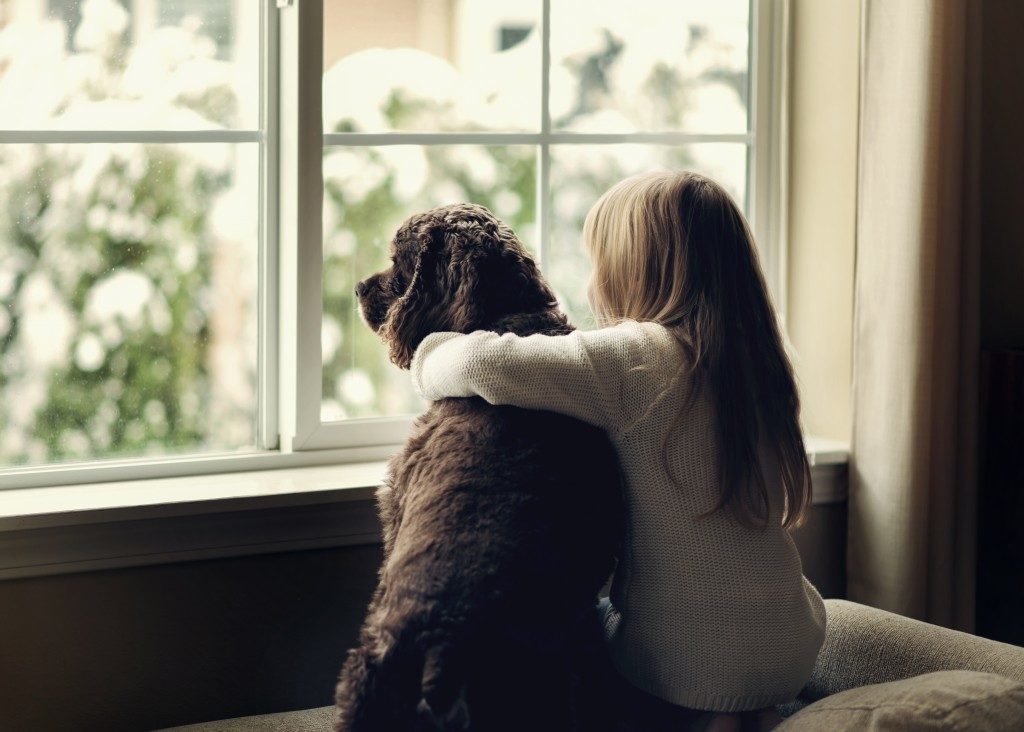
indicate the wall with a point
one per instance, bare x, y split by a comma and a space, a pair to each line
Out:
821, 541
149, 647
824, 88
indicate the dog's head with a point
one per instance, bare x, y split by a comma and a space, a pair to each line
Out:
452, 268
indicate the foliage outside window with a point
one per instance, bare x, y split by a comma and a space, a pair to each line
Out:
128, 273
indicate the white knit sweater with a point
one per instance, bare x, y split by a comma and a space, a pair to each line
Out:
705, 614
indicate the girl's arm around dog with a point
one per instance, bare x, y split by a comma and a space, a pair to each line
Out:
606, 377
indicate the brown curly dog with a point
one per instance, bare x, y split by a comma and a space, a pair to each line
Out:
500, 524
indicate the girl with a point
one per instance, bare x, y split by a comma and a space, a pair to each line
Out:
709, 609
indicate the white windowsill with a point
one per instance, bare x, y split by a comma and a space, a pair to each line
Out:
823, 451
68, 505
72, 528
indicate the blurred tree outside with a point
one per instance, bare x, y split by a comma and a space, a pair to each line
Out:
127, 273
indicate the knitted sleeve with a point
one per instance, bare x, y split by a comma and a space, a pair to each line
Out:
605, 377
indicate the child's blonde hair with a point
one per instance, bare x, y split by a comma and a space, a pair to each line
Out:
673, 248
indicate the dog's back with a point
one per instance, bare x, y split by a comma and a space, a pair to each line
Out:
501, 525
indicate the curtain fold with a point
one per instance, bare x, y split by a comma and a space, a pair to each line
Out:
913, 470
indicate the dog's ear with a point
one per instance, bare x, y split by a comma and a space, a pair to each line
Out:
412, 316
492, 276
467, 271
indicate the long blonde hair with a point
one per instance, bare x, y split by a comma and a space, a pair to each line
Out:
673, 248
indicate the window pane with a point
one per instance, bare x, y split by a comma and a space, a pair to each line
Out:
368, 192
431, 66
581, 173
649, 65
113, 64
128, 280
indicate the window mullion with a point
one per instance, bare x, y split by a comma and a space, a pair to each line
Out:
268, 385
300, 131
544, 152
381, 139
115, 137
767, 150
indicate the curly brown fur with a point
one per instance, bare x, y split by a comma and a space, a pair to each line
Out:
500, 524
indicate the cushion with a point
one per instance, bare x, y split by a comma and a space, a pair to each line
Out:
865, 645
943, 700
308, 720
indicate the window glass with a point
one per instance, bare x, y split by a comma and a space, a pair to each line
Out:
128, 283
110, 65
430, 66
214, 18
128, 269
649, 65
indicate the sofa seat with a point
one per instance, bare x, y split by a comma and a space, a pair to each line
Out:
876, 670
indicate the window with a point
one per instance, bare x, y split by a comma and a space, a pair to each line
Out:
129, 160
196, 188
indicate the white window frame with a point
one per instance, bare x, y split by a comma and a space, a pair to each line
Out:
290, 432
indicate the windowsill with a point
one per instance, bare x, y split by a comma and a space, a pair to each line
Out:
69, 505
129, 523
823, 451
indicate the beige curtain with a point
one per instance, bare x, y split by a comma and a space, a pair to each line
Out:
913, 464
